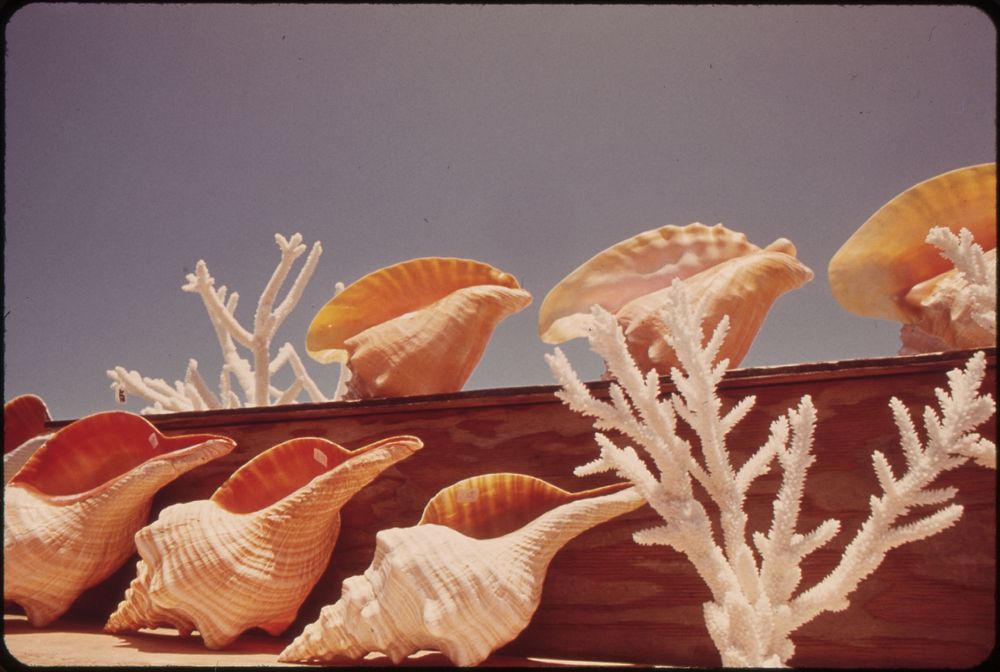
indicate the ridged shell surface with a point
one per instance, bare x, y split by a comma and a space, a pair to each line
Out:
871, 274
639, 265
248, 556
419, 327
24, 417
72, 510
744, 288
433, 587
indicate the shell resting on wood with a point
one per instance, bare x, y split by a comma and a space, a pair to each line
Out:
71, 511
417, 327
449, 583
887, 270
630, 278
248, 556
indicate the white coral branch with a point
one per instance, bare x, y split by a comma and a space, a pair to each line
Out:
977, 271
253, 377
754, 608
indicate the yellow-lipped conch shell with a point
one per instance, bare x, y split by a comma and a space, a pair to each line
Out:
630, 278
417, 327
24, 419
887, 270
466, 579
71, 512
248, 556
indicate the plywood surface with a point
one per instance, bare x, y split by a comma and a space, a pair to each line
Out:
931, 603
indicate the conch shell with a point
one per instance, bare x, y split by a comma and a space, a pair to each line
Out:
417, 327
71, 512
887, 270
24, 419
630, 279
248, 556
466, 579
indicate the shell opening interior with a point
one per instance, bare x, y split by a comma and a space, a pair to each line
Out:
92, 451
492, 505
278, 472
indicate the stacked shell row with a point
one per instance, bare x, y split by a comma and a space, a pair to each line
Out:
421, 326
465, 580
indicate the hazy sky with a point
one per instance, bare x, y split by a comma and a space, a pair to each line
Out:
140, 139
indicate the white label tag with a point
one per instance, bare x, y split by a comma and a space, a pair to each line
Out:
320, 456
468, 496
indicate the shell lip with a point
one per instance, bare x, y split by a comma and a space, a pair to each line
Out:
75, 443
346, 314
278, 473
491, 505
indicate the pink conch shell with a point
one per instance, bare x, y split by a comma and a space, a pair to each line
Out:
418, 327
463, 591
71, 512
887, 270
630, 279
248, 556
24, 417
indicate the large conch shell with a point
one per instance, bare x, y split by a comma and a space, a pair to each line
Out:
466, 579
630, 279
887, 270
248, 556
417, 327
24, 419
71, 512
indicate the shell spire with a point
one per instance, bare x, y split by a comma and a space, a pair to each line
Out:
71, 512
248, 556
460, 590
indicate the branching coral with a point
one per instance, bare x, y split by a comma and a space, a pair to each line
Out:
253, 378
755, 607
978, 271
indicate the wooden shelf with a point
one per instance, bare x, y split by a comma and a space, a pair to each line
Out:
931, 603
82, 644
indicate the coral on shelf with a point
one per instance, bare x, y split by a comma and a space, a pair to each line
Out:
630, 278
416, 327
466, 579
893, 267
252, 377
757, 602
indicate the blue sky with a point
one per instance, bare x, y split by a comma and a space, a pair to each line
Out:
142, 138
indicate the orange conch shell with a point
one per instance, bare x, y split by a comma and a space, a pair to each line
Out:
418, 327
887, 270
466, 579
248, 556
630, 279
71, 512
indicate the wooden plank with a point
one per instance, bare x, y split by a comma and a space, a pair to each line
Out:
931, 603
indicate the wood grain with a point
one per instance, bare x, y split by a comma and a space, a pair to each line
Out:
931, 603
